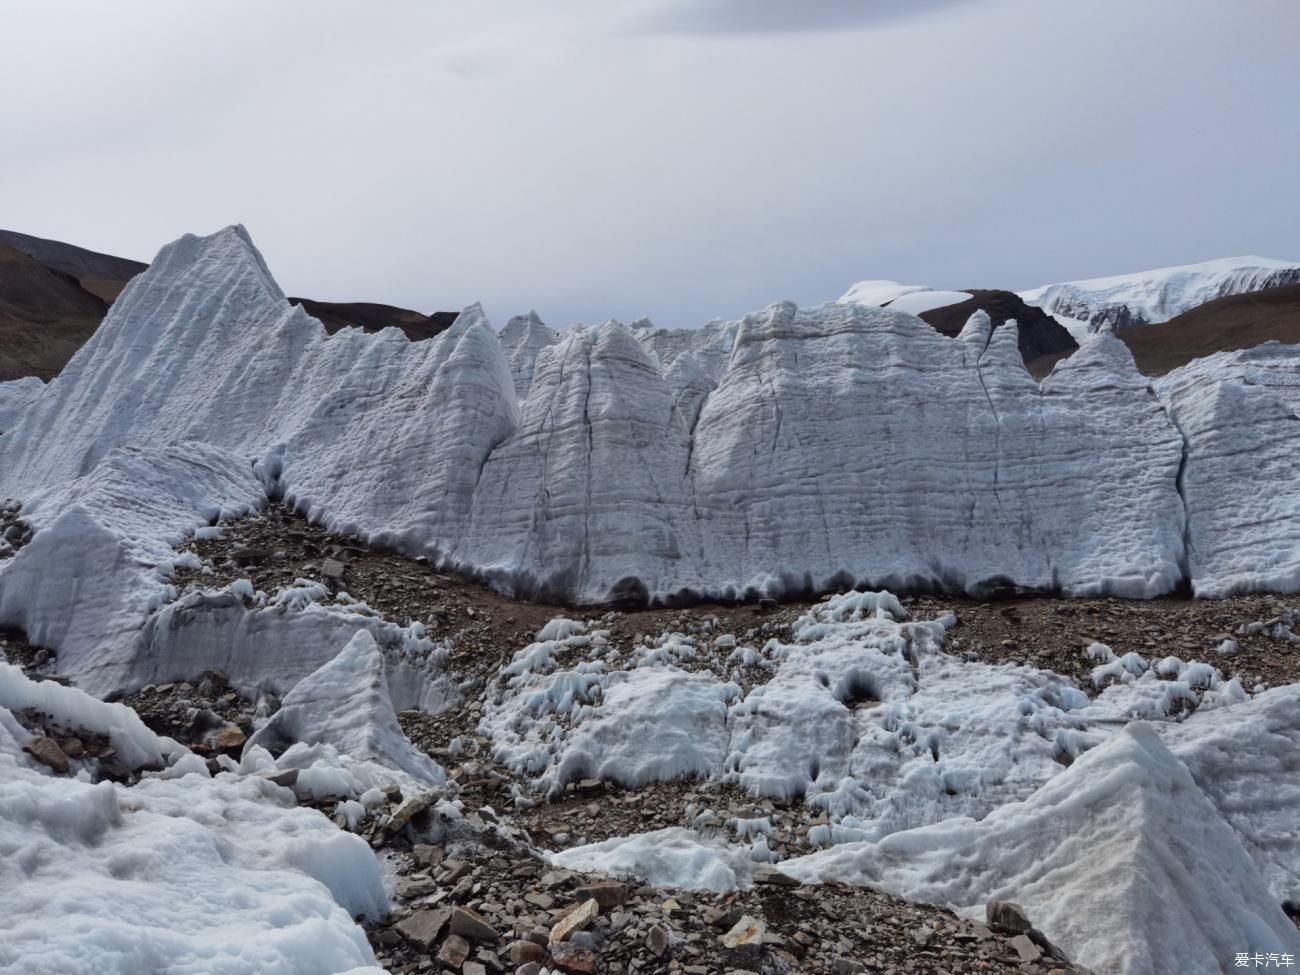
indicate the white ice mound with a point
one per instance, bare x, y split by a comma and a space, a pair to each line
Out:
74, 710
263, 642
1240, 415
1122, 861
100, 561
1150, 297
346, 704
911, 298
673, 857
185, 874
864, 717
879, 292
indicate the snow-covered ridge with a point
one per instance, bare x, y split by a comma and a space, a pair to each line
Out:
794, 449
911, 298
879, 292
1151, 297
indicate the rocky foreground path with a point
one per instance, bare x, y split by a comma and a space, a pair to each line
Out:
478, 895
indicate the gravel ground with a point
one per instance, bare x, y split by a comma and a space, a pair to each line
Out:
826, 928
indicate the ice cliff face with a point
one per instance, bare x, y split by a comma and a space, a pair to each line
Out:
1151, 297
797, 448
590, 493
1240, 415
867, 445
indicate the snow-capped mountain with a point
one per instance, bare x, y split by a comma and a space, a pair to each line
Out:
911, 298
1151, 297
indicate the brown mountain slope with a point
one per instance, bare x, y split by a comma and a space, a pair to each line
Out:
1222, 325
1043, 340
372, 317
100, 274
45, 316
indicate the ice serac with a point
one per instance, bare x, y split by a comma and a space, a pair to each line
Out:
848, 443
1243, 758
1123, 458
1240, 415
793, 449
589, 497
100, 561
710, 345
270, 643
523, 339
1121, 860
1150, 297
183, 355
395, 442
346, 704
368, 433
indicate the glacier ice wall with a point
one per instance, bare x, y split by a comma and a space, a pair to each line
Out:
1239, 413
590, 493
796, 448
847, 443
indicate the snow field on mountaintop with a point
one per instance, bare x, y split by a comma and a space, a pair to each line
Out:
1152, 297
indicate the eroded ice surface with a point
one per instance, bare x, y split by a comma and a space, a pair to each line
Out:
179, 873
1121, 860
864, 717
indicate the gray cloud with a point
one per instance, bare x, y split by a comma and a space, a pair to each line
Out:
764, 16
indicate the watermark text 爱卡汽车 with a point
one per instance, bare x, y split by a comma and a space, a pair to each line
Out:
1264, 959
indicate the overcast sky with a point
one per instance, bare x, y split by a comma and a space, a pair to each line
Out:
682, 159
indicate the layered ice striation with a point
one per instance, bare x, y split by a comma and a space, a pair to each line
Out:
848, 444
15, 396
794, 449
590, 494
1239, 413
